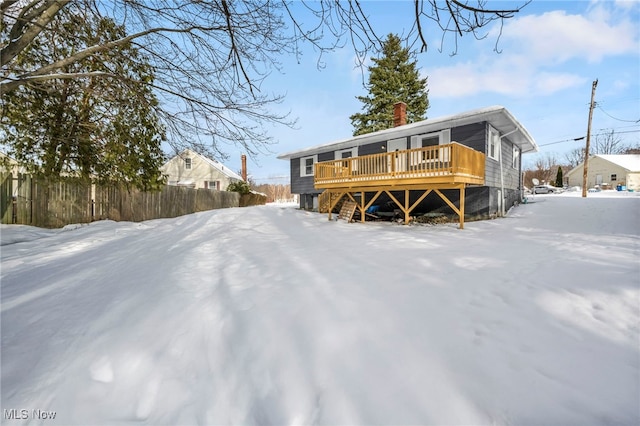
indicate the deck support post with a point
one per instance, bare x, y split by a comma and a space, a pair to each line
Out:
406, 207
461, 213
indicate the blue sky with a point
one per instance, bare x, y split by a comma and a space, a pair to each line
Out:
551, 53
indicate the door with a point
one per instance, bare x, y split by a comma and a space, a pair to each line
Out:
598, 180
397, 162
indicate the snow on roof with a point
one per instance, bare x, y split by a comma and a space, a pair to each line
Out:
630, 162
498, 116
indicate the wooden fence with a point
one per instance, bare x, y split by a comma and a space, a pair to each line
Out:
30, 201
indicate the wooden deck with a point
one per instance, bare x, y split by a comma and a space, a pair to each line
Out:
443, 164
451, 166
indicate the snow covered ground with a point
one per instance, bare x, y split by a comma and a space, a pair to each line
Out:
271, 315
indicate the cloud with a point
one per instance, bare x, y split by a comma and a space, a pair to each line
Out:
504, 76
558, 37
541, 55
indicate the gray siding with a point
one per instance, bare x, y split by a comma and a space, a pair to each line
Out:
375, 148
304, 184
476, 136
511, 176
473, 135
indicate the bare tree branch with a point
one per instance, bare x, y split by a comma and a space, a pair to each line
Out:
20, 38
211, 58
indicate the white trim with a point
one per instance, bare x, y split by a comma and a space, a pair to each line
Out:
493, 139
396, 141
516, 156
444, 137
353, 151
303, 165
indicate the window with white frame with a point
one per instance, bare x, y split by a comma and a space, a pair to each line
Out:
614, 177
516, 157
430, 139
493, 145
307, 165
187, 163
346, 153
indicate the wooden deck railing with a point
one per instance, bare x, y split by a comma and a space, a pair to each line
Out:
442, 164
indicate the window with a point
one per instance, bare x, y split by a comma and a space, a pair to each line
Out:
187, 163
516, 157
212, 184
306, 165
430, 139
614, 177
493, 146
346, 153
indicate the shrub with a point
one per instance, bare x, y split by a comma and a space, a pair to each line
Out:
241, 187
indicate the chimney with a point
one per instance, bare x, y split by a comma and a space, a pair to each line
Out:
399, 114
244, 167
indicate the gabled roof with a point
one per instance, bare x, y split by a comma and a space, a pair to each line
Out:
213, 163
630, 162
498, 116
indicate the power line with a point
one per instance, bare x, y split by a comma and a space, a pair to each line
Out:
618, 119
582, 137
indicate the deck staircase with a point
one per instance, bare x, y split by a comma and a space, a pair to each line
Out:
326, 198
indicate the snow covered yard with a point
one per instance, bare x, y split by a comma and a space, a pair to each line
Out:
271, 315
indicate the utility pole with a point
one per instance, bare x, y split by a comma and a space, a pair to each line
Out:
586, 152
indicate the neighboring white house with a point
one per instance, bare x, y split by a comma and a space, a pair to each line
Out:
9, 164
194, 170
612, 170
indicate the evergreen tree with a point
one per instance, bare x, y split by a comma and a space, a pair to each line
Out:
559, 182
393, 78
94, 126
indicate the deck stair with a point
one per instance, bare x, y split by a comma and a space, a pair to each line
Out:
327, 198
347, 210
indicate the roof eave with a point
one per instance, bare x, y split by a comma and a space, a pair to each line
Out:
498, 116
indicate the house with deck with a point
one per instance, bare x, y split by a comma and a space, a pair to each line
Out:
466, 164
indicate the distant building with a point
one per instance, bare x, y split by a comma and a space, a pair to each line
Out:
194, 170
10, 165
609, 170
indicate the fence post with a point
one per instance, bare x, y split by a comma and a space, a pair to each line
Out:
6, 198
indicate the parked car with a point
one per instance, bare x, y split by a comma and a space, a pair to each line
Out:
545, 189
